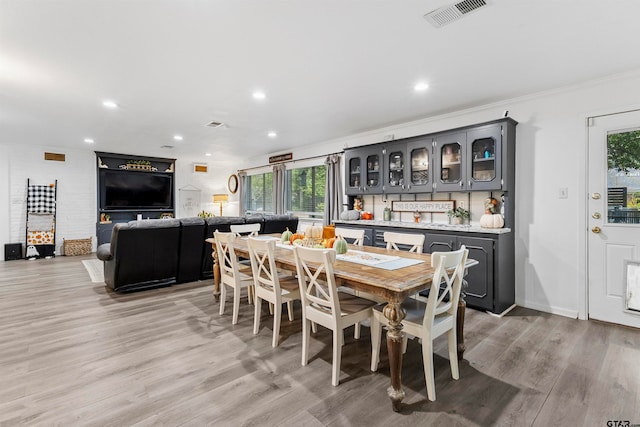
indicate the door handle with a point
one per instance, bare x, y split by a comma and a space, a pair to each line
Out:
595, 196
595, 215
596, 230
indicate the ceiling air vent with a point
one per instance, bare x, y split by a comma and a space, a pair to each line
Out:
215, 124
448, 14
168, 147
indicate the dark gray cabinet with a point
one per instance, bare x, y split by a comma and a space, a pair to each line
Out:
490, 284
364, 171
480, 278
474, 158
470, 160
407, 166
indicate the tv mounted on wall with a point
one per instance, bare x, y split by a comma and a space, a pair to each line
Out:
135, 190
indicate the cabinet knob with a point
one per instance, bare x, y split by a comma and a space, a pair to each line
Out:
461, 184
470, 183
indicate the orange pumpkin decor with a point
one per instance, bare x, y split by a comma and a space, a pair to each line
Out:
295, 236
328, 232
328, 243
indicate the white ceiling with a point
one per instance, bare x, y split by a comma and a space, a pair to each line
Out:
329, 68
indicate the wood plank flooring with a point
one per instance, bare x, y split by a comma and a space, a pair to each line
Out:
74, 354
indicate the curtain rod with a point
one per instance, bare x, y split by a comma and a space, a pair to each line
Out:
291, 161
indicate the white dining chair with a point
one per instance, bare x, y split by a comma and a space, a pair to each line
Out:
270, 285
431, 319
351, 233
230, 273
246, 229
322, 304
393, 239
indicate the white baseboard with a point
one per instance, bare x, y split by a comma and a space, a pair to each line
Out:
547, 309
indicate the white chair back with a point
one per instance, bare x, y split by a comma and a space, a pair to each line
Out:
394, 239
250, 229
445, 299
351, 233
263, 265
320, 302
227, 258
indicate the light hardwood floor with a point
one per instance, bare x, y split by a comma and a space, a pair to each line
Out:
73, 353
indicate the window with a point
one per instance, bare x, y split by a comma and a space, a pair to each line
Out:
259, 192
304, 194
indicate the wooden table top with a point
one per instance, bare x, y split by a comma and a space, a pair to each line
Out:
392, 285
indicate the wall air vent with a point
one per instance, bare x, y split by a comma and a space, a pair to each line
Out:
215, 124
168, 147
447, 14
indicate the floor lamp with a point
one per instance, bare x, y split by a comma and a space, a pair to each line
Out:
220, 198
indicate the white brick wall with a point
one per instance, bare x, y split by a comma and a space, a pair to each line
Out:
76, 196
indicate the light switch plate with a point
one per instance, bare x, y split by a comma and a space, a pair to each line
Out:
563, 193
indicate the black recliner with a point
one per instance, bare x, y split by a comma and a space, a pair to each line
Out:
142, 254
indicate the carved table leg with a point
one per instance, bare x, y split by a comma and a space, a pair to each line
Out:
216, 272
395, 314
462, 307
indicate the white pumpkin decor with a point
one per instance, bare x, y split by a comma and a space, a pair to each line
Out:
491, 221
313, 232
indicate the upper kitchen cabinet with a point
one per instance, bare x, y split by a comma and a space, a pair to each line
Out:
408, 166
471, 160
364, 170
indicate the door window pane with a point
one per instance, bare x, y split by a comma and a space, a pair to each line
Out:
623, 177
420, 166
450, 160
483, 166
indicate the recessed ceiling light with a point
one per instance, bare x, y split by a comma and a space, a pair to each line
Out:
110, 104
207, 154
421, 87
259, 95
178, 137
272, 134
89, 140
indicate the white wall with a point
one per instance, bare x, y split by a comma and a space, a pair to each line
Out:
76, 199
550, 154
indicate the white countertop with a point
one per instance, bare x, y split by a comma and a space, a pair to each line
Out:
427, 226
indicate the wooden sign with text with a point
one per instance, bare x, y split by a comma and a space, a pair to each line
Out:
423, 205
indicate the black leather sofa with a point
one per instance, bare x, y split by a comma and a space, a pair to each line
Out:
162, 252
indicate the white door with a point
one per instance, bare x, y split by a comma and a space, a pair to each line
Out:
614, 216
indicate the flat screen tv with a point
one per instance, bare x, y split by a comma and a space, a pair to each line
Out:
122, 190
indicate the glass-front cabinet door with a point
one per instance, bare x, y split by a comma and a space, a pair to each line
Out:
450, 152
395, 168
374, 172
419, 176
353, 181
483, 167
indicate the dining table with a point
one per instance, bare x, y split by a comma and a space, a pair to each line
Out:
390, 274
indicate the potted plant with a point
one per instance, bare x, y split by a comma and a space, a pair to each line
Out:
459, 215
